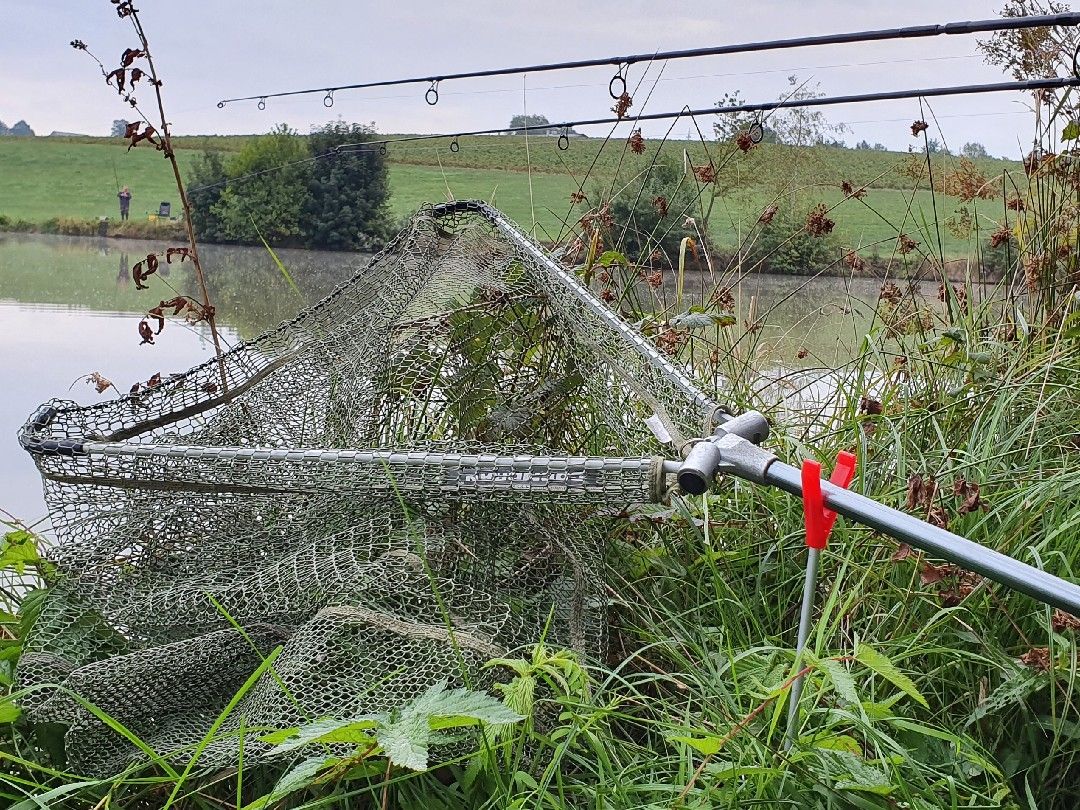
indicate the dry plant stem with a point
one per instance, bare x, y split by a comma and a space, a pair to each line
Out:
208, 309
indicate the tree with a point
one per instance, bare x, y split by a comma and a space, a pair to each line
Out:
119, 127
531, 121
933, 146
1033, 53
206, 183
880, 147
346, 203
22, 129
729, 126
803, 126
290, 189
266, 194
974, 150
863, 145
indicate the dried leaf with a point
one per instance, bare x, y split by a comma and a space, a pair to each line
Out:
969, 493
818, 222
660, 203
121, 77
130, 55
1062, 621
1037, 658
145, 332
101, 384
636, 142
902, 553
871, 406
919, 126
768, 214
851, 191
622, 104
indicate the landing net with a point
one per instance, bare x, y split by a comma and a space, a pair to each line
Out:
410, 478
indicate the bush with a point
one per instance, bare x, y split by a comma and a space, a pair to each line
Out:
785, 246
649, 211
295, 190
347, 191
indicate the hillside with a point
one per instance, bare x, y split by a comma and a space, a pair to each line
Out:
78, 178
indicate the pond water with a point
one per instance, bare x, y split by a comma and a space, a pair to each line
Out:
68, 307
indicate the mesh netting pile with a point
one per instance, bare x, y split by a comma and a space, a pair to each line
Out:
411, 477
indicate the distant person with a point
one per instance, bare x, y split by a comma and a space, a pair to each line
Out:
125, 202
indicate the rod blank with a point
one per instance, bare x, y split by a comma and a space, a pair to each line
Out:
845, 38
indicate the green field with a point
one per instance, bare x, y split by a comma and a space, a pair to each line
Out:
77, 178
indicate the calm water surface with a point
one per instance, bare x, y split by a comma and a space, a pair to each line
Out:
68, 307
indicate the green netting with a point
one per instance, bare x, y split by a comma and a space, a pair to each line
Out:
412, 477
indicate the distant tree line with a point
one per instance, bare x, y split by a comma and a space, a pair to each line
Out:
295, 190
20, 128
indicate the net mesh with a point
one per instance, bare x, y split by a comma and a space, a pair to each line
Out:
411, 477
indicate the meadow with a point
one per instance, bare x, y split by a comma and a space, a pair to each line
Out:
46, 179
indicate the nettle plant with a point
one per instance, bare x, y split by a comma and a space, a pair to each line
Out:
136, 70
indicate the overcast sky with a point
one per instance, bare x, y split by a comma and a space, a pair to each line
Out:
207, 50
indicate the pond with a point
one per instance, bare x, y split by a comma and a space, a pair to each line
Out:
69, 307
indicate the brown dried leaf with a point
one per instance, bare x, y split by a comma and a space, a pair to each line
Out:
1000, 236
818, 222
705, 174
636, 142
919, 126
768, 214
182, 252
101, 384
121, 77
744, 141
145, 332
1037, 658
130, 55
905, 244
968, 491
1062, 621
622, 104
871, 406
850, 191
902, 553
660, 203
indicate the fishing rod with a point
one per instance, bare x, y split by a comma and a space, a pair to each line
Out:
765, 106
617, 85
756, 131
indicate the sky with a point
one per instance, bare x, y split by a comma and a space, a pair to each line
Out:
207, 50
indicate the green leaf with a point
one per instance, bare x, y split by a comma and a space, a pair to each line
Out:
1071, 131
44, 801
880, 664
17, 549
9, 712
300, 777
841, 680
837, 742
703, 745
610, 257
448, 708
405, 742
355, 730
280, 266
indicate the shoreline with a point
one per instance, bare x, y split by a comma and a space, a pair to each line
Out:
956, 269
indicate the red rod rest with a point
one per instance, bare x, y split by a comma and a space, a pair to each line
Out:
819, 520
